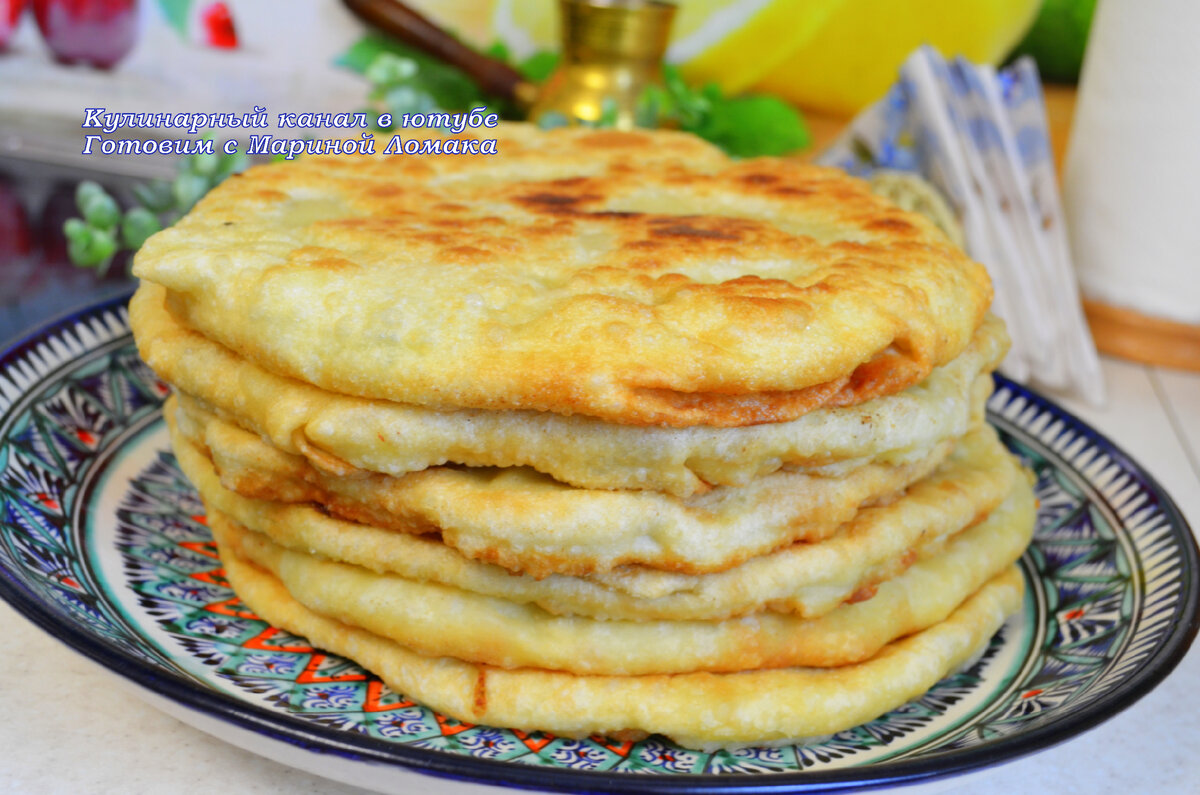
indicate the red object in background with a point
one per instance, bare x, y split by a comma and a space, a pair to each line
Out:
59, 206
218, 27
16, 238
96, 32
17, 263
10, 12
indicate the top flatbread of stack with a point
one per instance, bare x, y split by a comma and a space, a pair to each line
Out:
638, 278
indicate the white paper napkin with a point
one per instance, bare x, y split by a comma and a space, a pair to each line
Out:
980, 137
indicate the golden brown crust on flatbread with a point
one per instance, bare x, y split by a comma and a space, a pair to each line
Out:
437, 619
524, 521
338, 433
699, 710
641, 278
807, 580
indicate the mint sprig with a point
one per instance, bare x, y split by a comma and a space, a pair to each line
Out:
405, 80
744, 126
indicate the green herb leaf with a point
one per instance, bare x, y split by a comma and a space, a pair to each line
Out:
204, 164
100, 210
138, 224
104, 229
752, 126
188, 188
746, 126
390, 68
553, 118
364, 51
609, 112
376, 57
92, 248
538, 67
228, 165
154, 196
498, 50
75, 229
176, 12
86, 190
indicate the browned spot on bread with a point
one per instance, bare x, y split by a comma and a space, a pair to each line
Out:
437, 238
619, 214
883, 375
321, 258
896, 226
479, 706
792, 190
629, 735
333, 264
851, 247
686, 230
322, 460
745, 409
385, 191
864, 593
555, 202
269, 196
613, 139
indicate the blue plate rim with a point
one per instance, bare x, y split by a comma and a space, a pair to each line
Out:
319, 739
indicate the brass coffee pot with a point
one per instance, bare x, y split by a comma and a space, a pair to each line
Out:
611, 50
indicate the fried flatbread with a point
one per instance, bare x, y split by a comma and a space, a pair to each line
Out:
338, 433
806, 580
442, 620
526, 521
699, 710
639, 277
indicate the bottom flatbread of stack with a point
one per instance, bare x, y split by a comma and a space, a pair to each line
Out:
697, 710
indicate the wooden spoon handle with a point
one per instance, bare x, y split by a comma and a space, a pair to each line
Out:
397, 19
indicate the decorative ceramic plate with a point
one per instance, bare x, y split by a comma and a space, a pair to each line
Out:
103, 543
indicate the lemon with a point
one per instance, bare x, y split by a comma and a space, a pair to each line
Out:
832, 55
735, 43
857, 53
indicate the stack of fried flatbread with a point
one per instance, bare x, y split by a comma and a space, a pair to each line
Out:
603, 434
